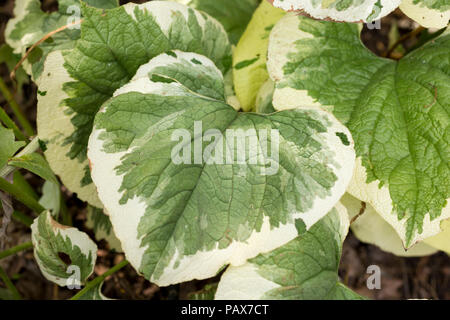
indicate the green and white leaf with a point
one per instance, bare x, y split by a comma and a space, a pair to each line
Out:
36, 164
250, 55
370, 227
51, 198
54, 126
100, 223
187, 221
8, 145
304, 269
429, 13
105, 58
341, 10
30, 24
398, 113
234, 15
52, 240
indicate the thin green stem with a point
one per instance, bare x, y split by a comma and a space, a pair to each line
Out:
33, 146
10, 285
22, 218
9, 123
16, 109
21, 196
99, 279
66, 217
20, 181
16, 249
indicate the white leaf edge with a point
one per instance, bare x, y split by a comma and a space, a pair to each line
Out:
54, 125
369, 227
77, 237
282, 42
428, 18
381, 201
355, 14
245, 283
203, 264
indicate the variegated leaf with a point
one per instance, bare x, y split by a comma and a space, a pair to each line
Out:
180, 218
76, 82
304, 269
397, 111
369, 227
65, 255
341, 10
250, 55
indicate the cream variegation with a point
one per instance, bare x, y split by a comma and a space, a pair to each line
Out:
303, 269
65, 255
164, 251
402, 171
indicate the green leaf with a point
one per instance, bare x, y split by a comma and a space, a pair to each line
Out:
304, 269
62, 253
158, 199
51, 198
36, 164
250, 55
234, 15
8, 145
101, 225
369, 227
398, 113
10, 59
30, 24
106, 58
341, 10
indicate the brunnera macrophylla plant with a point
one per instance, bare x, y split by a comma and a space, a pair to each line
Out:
213, 134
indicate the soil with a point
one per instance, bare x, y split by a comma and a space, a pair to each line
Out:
402, 278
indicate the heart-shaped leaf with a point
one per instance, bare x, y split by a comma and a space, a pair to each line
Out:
113, 44
304, 269
183, 212
397, 111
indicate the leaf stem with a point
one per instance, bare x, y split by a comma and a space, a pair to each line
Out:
402, 39
20, 195
99, 279
32, 147
10, 285
10, 124
16, 249
22, 218
16, 109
